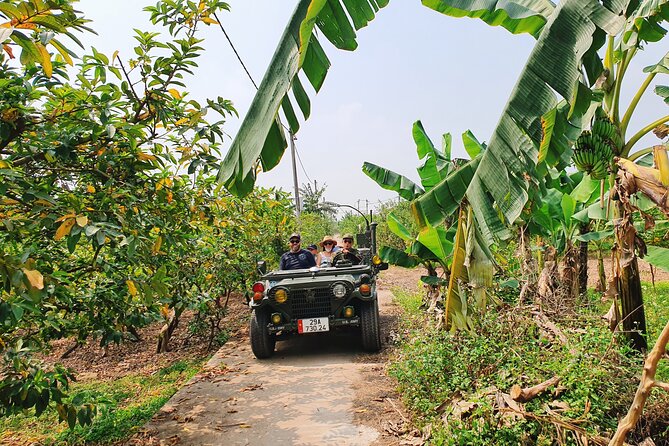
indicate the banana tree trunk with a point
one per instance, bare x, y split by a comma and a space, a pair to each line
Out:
569, 276
631, 298
601, 272
628, 281
583, 262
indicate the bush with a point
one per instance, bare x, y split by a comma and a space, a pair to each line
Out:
598, 378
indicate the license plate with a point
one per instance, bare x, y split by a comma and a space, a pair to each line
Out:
313, 325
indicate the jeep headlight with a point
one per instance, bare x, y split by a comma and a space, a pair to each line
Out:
280, 296
339, 290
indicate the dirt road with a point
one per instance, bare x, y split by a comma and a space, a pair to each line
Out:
318, 389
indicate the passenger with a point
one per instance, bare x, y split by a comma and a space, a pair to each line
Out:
325, 257
348, 252
296, 258
314, 250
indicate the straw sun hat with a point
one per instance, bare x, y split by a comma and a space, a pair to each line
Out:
328, 238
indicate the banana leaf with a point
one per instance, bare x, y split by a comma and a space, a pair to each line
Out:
455, 303
390, 180
438, 241
472, 145
594, 236
657, 256
519, 16
261, 138
435, 163
397, 228
644, 24
398, 257
506, 173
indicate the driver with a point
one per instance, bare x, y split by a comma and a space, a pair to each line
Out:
296, 258
348, 252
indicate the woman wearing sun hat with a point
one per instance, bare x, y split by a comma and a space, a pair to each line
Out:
324, 258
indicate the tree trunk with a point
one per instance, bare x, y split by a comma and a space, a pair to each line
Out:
166, 332
569, 274
628, 280
633, 315
583, 262
601, 272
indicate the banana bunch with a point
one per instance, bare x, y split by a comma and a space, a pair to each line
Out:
594, 149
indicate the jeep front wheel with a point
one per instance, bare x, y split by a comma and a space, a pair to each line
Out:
369, 326
262, 342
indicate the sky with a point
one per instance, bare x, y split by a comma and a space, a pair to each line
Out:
412, 63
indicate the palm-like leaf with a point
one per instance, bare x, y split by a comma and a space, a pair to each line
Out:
261, 136
455, 305
390, 180
519, 16
500, 186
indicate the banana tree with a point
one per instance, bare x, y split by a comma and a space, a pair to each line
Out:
557, 221
470, 269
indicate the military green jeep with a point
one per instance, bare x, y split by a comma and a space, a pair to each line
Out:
304, 301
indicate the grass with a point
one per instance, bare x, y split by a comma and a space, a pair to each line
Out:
132, 401
599, 376
656, 306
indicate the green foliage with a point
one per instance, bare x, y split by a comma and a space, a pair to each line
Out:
313, 200
110, 217
436, 367
352, 223
130, 402
402, 212
312, 227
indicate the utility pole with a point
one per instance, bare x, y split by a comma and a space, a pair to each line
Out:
298, 204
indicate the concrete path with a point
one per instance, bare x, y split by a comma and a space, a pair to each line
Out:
304, 395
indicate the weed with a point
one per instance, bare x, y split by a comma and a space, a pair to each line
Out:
598, 377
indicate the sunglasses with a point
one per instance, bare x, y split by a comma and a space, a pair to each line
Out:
294, 241
348, 240
328, 243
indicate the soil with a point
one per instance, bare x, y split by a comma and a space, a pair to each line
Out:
90, 362
647, 274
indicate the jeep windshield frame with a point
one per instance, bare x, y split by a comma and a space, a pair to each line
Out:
315, 272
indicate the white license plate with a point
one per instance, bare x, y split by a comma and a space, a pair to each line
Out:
313, 325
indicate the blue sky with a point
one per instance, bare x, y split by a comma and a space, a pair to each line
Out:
412, 63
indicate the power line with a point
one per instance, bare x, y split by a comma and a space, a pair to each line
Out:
302, 165
235, 50
239, 58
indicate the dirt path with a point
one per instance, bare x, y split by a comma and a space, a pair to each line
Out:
319, 389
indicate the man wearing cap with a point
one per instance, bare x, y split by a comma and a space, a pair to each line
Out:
348, 252
296, 258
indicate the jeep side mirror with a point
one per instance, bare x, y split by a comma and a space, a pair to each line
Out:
382, 266
261, 267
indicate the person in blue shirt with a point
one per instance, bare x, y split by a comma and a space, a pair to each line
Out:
296, 258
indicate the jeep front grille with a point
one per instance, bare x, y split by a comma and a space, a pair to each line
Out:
310, 302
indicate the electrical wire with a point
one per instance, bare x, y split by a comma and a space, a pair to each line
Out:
235, 50
239, 58
302, 165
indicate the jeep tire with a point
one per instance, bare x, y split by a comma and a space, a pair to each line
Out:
262, 342
369, 326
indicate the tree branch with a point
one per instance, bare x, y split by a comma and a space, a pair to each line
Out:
643, 391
